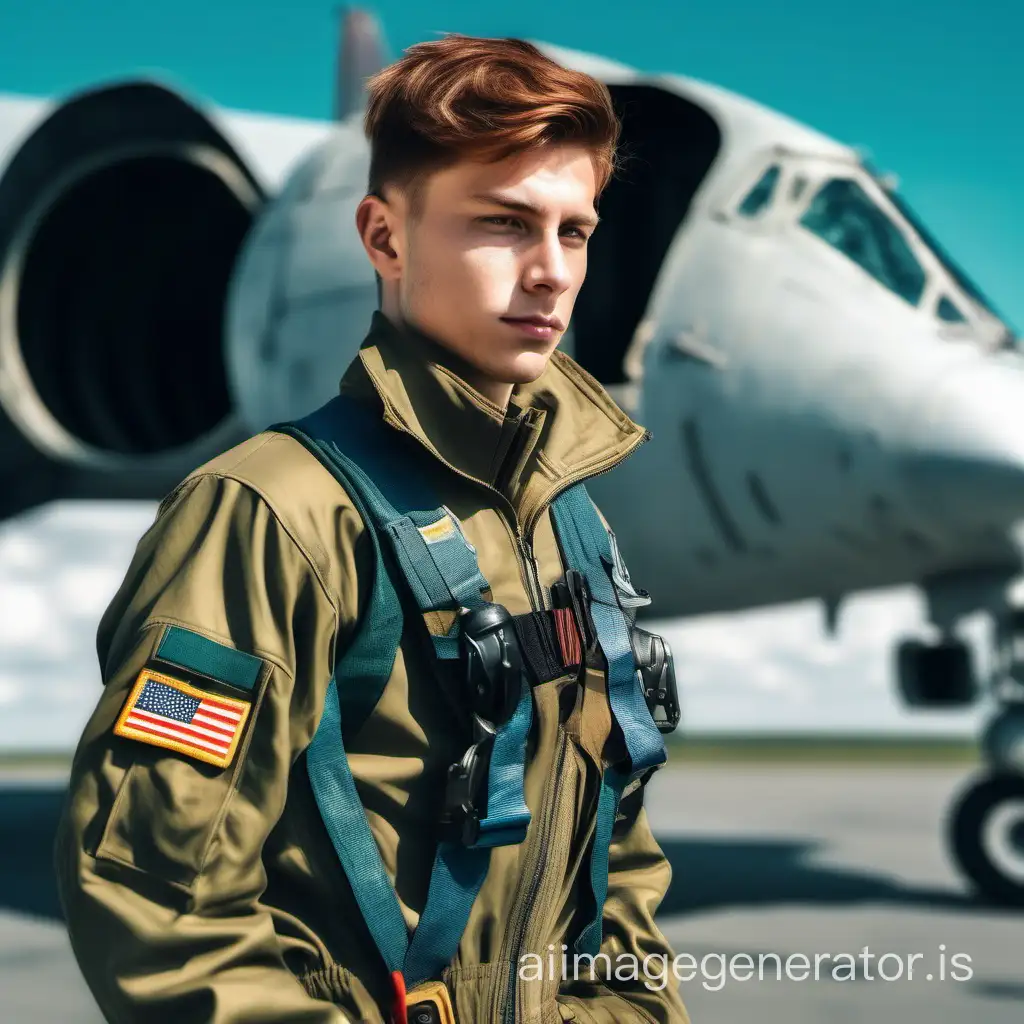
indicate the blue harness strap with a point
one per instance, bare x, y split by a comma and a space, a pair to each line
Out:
587, 548
613, 783
396, 501
441, 570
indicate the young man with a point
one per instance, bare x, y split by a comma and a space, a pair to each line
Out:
198, 868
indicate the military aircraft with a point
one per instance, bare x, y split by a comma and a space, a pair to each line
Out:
835, 405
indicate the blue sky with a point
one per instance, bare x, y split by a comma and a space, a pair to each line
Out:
934, 90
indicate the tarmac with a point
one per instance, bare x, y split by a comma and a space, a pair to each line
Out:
777, 870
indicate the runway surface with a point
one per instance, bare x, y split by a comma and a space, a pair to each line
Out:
809, 860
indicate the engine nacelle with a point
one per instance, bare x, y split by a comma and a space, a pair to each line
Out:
122, 214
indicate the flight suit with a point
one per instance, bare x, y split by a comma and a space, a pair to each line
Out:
198, 893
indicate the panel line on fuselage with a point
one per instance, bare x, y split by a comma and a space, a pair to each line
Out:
717, 510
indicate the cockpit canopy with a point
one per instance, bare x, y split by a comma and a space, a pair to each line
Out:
852, 210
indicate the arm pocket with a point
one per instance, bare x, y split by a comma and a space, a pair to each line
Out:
165, 814
169, 805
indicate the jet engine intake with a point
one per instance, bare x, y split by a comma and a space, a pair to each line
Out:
121, 217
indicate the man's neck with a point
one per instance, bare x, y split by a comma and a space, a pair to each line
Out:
498, 392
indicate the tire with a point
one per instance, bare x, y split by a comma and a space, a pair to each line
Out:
986, 837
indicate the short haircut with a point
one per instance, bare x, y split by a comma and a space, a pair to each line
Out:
464, 97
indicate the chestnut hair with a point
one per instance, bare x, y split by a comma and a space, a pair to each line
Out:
466, 97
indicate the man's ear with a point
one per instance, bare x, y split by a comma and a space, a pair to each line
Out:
377, 224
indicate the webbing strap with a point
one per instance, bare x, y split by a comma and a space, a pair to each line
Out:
457, 874
441, 569
507, 814
437, 543
338, 800
587, 548
436, 560
612, 785
370, 656
457, 870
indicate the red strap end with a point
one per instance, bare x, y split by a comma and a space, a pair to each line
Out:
398, 1010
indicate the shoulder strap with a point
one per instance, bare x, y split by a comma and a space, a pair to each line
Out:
587, 548
393, 495
388, 473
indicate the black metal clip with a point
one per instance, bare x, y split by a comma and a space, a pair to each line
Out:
465, 796
493, 672
656, 669
492, 662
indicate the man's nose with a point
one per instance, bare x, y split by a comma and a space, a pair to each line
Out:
548, 267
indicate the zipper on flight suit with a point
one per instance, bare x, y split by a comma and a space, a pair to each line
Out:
531, 575
534, 875
512, 465
530, 882
526, 896
528, 558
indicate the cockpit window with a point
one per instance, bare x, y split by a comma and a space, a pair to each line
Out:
955, 270
845, 216
761, 194
946, 310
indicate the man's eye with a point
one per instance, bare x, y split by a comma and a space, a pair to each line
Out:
502, 222
578, 233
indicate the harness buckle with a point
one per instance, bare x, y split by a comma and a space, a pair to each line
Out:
465, 799
655, 669
493, 667
492, 661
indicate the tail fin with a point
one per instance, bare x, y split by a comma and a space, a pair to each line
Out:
362, 51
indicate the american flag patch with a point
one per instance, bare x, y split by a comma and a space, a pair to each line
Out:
169, 713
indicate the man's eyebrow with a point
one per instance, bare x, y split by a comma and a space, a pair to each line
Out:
520, 206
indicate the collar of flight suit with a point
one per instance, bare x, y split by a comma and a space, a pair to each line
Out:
562, 426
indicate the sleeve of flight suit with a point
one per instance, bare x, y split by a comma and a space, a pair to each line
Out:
638, 878
159, 854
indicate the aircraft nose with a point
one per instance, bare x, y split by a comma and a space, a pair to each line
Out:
966, 460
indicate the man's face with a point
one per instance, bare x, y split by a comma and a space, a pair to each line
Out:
491, 261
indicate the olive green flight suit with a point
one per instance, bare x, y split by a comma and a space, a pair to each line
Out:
196, 894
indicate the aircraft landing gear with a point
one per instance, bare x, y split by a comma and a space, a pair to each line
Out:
985, 828
936, 675
986, 824
986, 837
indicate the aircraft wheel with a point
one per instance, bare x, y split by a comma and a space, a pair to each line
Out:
986, 835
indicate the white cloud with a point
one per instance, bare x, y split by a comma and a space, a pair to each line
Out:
59, 567
9, 691
26, 618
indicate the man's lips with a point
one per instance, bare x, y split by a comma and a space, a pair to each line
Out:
551, 323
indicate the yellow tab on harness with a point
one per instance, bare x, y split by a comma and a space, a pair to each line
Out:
440, 530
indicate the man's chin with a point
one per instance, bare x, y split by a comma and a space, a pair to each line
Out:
526, 368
